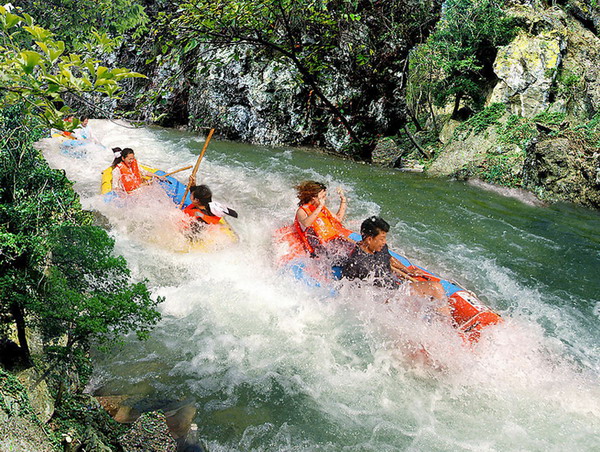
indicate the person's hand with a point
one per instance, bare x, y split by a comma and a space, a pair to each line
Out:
192, 181
416, 272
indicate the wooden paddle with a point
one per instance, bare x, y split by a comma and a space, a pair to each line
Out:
195, 170
177, 171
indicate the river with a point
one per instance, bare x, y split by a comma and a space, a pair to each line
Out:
274, 365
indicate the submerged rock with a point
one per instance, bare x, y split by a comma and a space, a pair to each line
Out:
149, 434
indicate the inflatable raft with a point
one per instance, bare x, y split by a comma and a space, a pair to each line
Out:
215, 235
469, 315
74, 146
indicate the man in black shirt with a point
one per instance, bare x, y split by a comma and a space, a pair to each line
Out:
370, 258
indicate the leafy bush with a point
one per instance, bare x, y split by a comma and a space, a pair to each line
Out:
460, 52
482, 120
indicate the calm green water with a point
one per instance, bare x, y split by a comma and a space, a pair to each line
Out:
273, 365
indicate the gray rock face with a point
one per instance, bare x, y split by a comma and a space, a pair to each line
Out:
20, 430
464, 149
578, 86
587, 11
526, 68
250, 100
39, 395
561, 169
552, 65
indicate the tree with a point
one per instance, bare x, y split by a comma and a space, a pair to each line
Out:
77, 20
56, 270
36, 70
38, 204
88, 298
366, 41
461, 50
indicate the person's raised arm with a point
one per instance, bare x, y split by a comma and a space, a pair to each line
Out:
343, 204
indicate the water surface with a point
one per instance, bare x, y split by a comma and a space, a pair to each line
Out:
273, 365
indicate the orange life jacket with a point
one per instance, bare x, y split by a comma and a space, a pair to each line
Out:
197, 212
130, 176
326, 226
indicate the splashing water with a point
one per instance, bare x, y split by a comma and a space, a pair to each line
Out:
275, 365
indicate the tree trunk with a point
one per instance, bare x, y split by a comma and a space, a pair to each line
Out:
432, 113
456, 105
417, 145
414, 119
19, 317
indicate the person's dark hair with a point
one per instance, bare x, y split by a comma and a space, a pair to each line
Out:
124, 153
372, 226
202, 193
307, 190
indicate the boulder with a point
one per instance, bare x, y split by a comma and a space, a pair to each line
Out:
149, 433
386, 152
527, 68
558, 168
39, 395
466, 149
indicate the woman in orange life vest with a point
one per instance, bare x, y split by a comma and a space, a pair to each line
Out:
203, 209
321, 230
126, 174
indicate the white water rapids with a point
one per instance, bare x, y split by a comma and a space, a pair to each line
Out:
274, 365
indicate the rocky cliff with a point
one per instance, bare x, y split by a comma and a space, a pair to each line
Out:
545, 80
540, 128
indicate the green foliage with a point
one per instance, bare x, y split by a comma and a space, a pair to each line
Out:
79, 413
77, 20
36, 71
459, 53
481, 121
500, 168
503, 165
54, 266
88, 295
517, 130
13, 397
568, 85
590, 131
548, 118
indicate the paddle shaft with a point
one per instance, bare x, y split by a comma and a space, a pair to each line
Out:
195, 170
177, 171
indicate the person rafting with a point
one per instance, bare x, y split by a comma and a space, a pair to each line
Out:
126, 174
321, 231
371, 259
83, 132
203, 209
